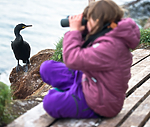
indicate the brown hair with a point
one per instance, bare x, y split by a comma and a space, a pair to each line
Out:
106, 11
85, 12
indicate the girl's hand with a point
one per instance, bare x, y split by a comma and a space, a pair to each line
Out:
75, 23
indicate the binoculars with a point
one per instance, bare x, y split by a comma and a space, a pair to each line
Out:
65, 22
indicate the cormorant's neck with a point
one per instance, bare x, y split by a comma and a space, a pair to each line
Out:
17, 33
18, 36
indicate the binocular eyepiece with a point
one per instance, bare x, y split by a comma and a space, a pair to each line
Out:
65, 22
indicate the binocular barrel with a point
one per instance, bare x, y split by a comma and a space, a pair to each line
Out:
65, 22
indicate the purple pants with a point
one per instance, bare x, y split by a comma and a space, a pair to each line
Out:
71, 102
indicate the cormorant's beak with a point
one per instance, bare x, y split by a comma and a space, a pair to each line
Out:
28, 26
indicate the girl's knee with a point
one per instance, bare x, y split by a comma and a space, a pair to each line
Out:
49, 66
44, 66
44, 70
49, 106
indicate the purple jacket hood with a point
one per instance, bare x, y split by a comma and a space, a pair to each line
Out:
128, 31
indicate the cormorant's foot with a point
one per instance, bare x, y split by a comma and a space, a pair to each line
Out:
18, 68
26, 68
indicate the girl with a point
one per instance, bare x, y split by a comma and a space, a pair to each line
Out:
94, 77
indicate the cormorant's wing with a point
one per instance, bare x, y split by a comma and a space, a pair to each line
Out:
27, 47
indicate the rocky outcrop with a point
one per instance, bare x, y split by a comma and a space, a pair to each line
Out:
24, 84
28, 89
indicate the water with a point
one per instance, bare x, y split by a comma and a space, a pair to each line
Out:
44, 15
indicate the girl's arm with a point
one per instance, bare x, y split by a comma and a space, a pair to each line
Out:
100, 56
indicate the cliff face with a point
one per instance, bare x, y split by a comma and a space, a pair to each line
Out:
23, 84
139, 10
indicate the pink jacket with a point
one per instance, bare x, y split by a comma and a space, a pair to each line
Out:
106, 65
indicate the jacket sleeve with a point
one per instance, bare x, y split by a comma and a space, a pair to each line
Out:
98, 57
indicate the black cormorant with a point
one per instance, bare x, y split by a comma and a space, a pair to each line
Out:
20, 47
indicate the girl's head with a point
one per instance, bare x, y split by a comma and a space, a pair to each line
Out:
100, 13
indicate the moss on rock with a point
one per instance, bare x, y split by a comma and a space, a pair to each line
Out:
5, 98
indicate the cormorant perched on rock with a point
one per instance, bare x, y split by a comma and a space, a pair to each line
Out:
20, 47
